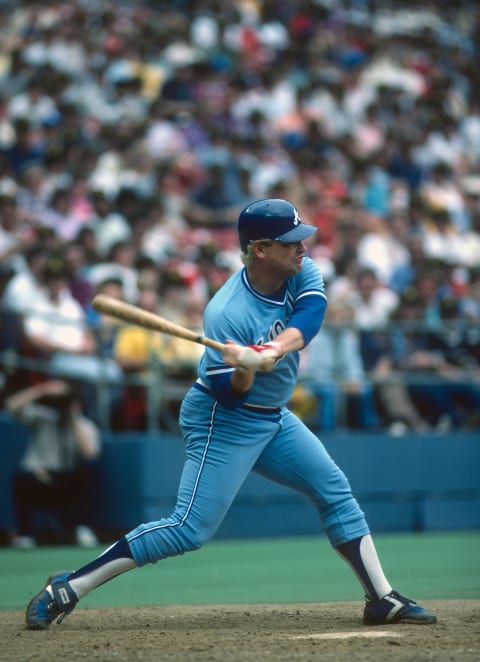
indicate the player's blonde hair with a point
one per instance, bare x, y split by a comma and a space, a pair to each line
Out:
248, 256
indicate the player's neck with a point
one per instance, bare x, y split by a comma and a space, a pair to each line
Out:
268, 284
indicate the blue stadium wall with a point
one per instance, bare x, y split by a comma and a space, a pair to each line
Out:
413, 483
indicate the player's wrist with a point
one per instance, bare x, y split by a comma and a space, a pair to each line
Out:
243, 370
277, 346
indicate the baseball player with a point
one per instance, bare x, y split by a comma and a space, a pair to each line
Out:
234, 421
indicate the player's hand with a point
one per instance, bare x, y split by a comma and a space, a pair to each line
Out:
253, 357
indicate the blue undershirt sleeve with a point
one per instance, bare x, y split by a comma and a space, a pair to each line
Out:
221, 389
308, 315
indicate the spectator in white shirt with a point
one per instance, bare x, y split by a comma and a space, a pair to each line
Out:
373, 302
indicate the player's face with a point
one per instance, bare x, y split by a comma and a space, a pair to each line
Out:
285, 257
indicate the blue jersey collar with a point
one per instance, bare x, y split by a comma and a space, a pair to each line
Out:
278, 300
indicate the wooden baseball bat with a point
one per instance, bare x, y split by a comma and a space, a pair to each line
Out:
141, 317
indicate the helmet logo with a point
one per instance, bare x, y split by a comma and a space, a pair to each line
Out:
296, 218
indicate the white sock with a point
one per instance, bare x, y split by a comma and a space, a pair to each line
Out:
362, 557
86, 583
114, 561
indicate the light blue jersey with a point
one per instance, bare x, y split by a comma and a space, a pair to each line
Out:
241, 314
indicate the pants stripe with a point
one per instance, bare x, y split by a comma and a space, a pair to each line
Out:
194, 491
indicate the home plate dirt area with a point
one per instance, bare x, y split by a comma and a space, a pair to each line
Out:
322, 631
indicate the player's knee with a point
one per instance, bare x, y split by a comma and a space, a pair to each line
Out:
153, 542
195, 538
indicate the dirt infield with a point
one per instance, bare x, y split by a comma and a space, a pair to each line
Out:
322, 631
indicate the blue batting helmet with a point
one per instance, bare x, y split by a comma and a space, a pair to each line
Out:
272, 218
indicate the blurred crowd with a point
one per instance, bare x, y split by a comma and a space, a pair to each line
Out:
133, 133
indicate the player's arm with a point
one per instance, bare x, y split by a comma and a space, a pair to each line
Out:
228, 381
305, 321
290, 340
304, 324
310, 304
260, 357
241, 381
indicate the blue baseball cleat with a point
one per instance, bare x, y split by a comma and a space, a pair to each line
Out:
395, 608
55, 601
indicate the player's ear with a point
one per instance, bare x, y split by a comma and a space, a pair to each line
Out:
258, 248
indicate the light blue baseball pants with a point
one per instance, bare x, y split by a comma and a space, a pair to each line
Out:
222, 447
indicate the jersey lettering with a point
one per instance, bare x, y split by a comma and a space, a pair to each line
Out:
275, 329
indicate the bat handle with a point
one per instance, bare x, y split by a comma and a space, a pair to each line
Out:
209, 342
